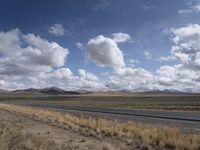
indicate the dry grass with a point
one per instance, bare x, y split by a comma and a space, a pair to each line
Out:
171, 138
11, 138
107, 146
7, 136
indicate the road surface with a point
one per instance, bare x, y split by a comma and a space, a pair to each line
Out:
185, 120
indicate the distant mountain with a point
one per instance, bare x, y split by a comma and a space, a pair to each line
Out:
57, 91
50, 91
3, 91
165, 91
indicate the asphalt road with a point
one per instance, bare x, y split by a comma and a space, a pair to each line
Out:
184, 120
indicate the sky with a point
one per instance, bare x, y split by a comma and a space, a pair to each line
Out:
100, 45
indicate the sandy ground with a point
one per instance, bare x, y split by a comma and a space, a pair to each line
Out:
62, 138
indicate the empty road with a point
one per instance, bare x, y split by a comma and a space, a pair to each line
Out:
184, 120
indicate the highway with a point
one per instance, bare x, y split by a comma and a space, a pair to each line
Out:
184, 120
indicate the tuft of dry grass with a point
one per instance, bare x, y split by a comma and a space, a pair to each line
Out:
11, 138
157, 137
8, 136
107, 146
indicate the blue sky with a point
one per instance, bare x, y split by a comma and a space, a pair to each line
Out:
150, 24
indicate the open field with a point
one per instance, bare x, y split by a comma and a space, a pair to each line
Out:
108, 134
80, 120
163, 107
167, 102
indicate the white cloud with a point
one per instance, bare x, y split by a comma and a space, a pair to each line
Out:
28, 54
197, 7
27, 60
178, 78
183, 77
45, 52
185, 11
57, 29
131, 79
147, 55
167, 58
24, 57
192, 7
132, 62
187, 46
61, 78
65, 79
62, 73
121, 37
105, 52
87, 75
80, 45
89, 81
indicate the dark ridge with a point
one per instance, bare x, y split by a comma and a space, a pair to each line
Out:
49, 91
57, 91
3, 91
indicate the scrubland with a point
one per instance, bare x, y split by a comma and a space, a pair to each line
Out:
137, 135
12, 138
166, 102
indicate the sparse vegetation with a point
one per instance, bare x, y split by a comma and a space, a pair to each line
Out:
8, 136
107, 146
148, 101
11, 138
157, 137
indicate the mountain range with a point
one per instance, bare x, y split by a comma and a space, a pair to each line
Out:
58, 91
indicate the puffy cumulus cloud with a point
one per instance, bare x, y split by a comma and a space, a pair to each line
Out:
61, 74
61, 78
185, 76
105, 52
45, 52
65, 79
121, 37
29, 61
178, 78
131, 79
57, 29
87, 75
187, 44
28, 54
89, 81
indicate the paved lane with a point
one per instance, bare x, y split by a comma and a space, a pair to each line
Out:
179, 116
185, 120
